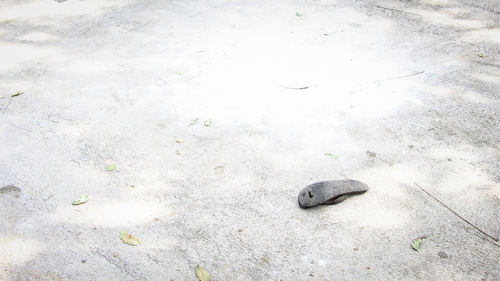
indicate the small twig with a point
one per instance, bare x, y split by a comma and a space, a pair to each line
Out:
49, 197
5, 109
396, 10
151, 258
404, 76
296, 88
456, 214
328, 34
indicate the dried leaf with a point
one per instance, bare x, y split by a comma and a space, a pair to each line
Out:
480, 55
17, 94
111, 167
207, 122
416, 243
202, 274
331, 155
83, 199
194, 121
129, 239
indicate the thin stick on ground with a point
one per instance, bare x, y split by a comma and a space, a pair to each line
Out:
395, 10
5, 108
404, 76
456, 214
296, 88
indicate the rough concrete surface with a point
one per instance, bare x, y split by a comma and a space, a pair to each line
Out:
399, 92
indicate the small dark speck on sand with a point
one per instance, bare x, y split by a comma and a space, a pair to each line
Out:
443, 255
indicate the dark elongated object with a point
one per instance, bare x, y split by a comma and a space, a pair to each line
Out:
329, 192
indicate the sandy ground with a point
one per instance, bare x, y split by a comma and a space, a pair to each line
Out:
399, 92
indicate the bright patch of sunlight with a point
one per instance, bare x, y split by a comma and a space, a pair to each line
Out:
37, 36
386, 217
390, 180
492, 35
447, 92
286, 81
493, 78
462, 178
114, 214
19, 53
440, 18
459, 152
438, 2
39, 9
17, 251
